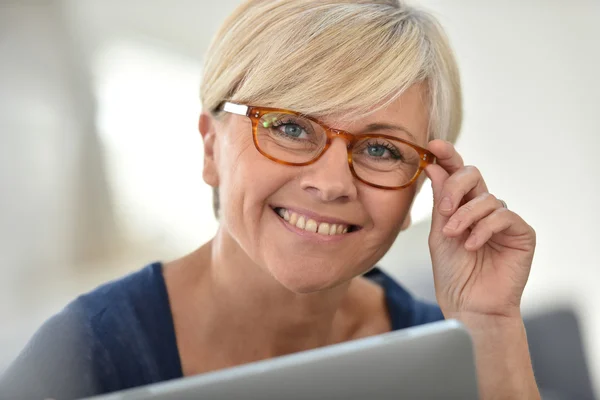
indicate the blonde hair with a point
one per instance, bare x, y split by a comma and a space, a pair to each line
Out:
331, 58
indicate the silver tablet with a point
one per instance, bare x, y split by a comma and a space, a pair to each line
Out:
432, 361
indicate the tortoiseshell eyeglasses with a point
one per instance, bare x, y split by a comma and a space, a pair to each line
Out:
290, 138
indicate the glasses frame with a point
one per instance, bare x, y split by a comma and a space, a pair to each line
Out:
255, 113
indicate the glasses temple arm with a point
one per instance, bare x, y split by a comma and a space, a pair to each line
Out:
233, 108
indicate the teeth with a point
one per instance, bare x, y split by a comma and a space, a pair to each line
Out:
310, 225
301, 224
333, 229
323, 228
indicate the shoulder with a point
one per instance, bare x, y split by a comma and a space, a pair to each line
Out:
124, 303
100, 342
131, 320
44, 368
121, 306
405, 310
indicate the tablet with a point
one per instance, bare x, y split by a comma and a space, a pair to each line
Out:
432, 361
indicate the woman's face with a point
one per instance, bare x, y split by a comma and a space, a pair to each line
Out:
255, 194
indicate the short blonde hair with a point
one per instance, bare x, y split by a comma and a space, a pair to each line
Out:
333, 57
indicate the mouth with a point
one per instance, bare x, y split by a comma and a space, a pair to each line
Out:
312, 224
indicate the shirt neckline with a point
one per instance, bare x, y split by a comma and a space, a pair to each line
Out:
170, 359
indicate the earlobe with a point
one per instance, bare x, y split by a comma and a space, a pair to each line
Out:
206, 127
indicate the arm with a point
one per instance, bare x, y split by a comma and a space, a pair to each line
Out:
502, 359
56, 363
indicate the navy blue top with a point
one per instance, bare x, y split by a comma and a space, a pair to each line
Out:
121, 335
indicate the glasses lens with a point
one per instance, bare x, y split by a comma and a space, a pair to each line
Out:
385, 162
290, 138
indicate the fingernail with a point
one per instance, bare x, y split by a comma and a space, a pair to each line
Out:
452, 225
446, 204
471, 242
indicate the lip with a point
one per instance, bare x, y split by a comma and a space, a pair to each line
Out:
312, 235
317, 217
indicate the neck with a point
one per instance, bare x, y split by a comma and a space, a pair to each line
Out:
261, 313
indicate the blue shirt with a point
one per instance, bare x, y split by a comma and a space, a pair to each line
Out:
121, 335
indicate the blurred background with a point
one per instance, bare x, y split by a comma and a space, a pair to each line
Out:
100, 158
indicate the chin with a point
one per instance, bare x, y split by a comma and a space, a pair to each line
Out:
308, 276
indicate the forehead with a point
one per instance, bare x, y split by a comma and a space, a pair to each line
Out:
410, 111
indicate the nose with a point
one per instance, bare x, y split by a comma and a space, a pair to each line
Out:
329, 179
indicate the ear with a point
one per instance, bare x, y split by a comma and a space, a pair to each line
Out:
206, 125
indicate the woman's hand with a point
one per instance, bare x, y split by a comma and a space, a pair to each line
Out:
481, 254
481, 251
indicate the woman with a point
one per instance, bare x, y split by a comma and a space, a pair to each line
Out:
321, 122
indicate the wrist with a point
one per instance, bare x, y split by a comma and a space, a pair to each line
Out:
477, 322
502, 355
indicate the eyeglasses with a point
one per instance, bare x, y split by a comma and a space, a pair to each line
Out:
290, 138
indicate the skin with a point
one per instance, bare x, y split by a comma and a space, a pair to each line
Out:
259, 290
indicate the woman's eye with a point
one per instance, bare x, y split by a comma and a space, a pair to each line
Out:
376, 151
292, 130
382, 152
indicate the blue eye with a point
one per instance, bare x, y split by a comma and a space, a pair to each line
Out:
292, 130
382, 150
289, 128
290, 133
376, 151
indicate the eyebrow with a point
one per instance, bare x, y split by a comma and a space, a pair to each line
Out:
382, 126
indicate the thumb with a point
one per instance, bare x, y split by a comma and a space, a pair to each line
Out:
438, 177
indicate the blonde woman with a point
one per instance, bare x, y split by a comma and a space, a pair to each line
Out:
321, 121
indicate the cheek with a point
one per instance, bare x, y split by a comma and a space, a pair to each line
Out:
387, 210
247, 181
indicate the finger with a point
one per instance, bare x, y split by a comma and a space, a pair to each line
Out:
497, 221
461, 187
501, 220
446, 155
448, 162
470, 213
437, 175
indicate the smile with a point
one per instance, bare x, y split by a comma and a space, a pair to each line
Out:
311, 225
